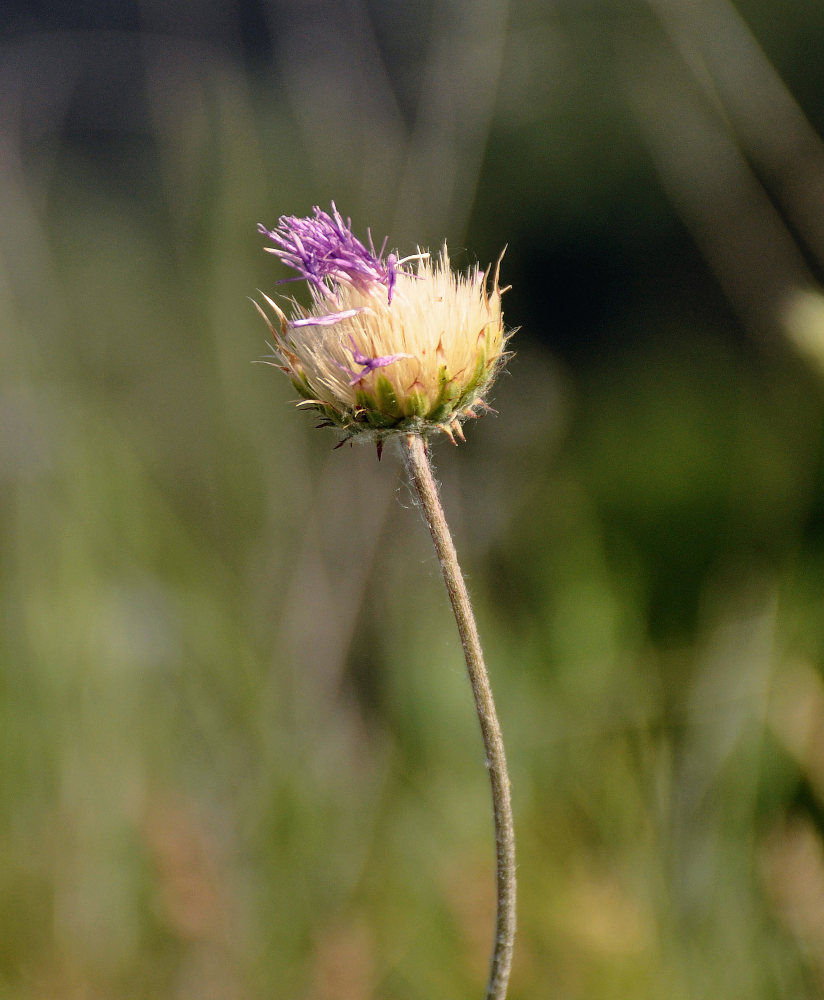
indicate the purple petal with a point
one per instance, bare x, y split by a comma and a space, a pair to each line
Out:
368, 364
328, 320
325, 248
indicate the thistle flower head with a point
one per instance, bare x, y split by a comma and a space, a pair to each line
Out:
387, 345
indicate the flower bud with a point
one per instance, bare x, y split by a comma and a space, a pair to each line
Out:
387, 345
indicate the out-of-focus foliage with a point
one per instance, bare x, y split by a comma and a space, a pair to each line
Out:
237, 749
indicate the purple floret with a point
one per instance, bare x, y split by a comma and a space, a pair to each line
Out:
368, 364
324, 249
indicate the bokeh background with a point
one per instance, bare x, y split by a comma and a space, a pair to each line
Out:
238, 755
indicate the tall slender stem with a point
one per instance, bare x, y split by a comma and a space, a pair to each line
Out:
420, 472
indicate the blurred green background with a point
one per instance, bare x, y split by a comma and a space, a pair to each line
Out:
238, 755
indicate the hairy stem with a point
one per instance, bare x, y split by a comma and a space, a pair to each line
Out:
420, 472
